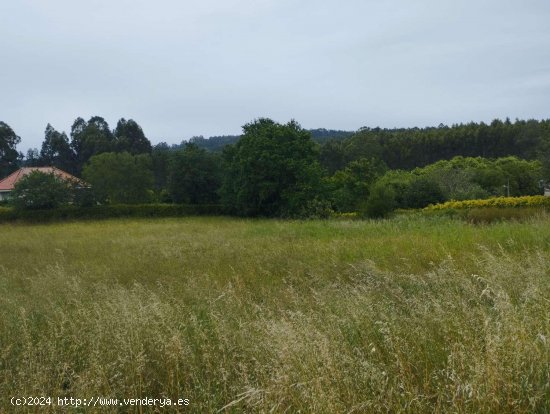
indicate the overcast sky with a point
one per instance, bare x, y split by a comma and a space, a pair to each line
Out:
206, 67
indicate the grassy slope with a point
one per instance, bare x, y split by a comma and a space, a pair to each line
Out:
409, 314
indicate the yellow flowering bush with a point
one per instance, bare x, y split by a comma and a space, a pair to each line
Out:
500, 202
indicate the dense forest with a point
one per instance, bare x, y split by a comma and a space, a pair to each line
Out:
217, 143
284, 170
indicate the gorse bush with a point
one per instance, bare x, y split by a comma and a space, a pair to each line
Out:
525, 201
493, 209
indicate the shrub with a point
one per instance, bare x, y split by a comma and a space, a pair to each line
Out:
315, 209
39, 191
381, 201
422, 192
350, 187
525, 201
109, 211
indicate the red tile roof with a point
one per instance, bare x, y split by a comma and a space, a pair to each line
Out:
9, 182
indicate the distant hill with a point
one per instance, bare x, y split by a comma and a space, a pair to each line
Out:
216, 143
322, 135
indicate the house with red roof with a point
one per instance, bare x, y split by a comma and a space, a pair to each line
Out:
8, 183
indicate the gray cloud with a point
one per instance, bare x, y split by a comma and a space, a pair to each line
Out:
183, 68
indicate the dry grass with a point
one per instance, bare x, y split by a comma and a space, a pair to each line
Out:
407, 315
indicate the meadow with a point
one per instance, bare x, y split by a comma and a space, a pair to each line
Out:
413, 314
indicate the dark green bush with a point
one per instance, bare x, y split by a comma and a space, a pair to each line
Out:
381, 201
109, 211
40, 191
120, 177
422, 191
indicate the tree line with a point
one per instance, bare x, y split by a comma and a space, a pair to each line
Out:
88, 138
409, 148
277, 169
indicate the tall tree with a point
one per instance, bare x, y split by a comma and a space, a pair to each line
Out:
90, 138
120, 177
408, 148
57, 151
271, 171
32, 159
161, 156
8, 153
544, 157
130, 138
195, 176
333, 156
350, 187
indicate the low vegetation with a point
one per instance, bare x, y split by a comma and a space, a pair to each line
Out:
504, 202
412, 314
492, 209
8, 214
285, 171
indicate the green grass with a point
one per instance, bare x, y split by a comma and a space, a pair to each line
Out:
406, 315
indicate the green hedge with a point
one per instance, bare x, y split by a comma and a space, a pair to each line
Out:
108, 211
498, 202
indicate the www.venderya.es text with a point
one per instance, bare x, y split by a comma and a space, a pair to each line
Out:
98, 402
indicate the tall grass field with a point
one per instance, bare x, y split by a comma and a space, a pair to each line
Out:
408, 315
